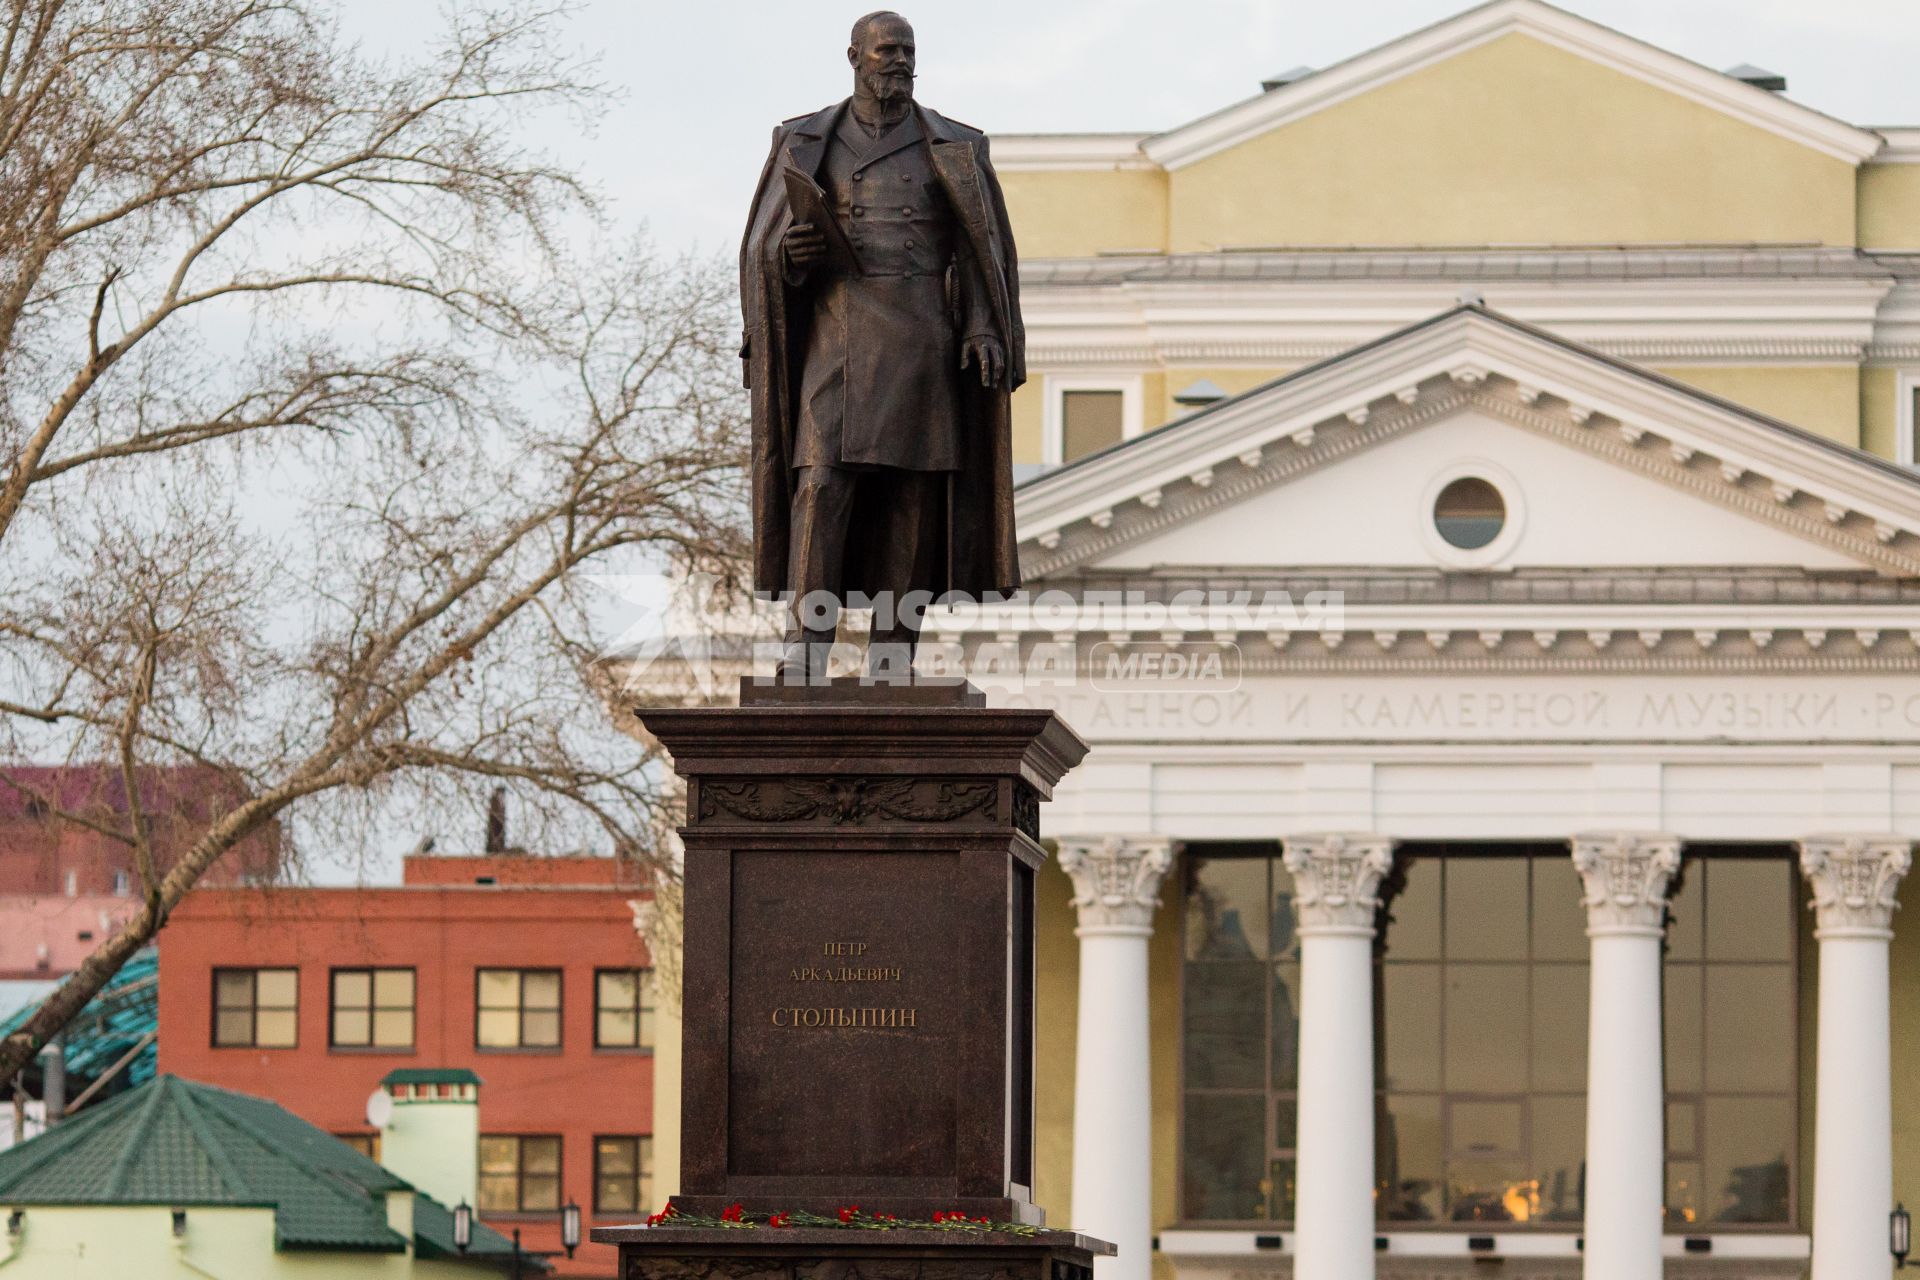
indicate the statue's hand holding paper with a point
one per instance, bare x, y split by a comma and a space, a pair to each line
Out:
815, 236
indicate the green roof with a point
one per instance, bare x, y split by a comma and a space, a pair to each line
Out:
183, 1144
177, 1143
430, 1075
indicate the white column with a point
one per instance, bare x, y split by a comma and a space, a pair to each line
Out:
1854, 879
1336, 879
1626, 877
1116, 882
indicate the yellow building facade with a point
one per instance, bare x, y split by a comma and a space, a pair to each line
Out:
1716, 232
1683, 221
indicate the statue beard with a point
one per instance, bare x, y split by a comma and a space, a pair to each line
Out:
889, 87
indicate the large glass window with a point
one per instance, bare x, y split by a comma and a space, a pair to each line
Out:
1481, 983
1242, 1013
1731, 1033
1482, 991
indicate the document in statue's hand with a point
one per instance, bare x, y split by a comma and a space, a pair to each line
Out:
808, 200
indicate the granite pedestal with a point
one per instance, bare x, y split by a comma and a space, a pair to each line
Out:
858, 983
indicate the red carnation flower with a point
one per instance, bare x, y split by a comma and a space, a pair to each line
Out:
733, 1213
777, 1220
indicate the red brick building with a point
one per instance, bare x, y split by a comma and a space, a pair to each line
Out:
66, 884
528, 971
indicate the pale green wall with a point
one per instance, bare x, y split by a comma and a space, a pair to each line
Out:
123, 1243
435, 1145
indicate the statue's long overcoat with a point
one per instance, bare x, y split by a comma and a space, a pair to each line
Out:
979, 517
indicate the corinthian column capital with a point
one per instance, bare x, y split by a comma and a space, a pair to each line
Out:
1854, 879
1335, 880
1627, 875
1116, 880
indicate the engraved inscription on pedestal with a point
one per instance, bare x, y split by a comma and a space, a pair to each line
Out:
842, 1054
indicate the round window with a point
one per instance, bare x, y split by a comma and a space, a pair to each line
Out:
1469, 513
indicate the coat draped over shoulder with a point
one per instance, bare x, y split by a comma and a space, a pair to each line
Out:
981, 547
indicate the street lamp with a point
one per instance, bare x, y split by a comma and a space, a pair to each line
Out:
1900, 1234
462, 1226
570, 1227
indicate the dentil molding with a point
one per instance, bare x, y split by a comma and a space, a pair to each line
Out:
1854, 879
1626, 876
1116, 880
1336, 880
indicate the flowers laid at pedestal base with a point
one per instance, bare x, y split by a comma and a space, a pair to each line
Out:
850, 1217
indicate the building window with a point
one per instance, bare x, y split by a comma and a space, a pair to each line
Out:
518, 1009
1084, 414
1906, 416
367, 1144
623, 1008
1469, 513
1732, 1040
372, 1009
1480, 994
255, 1008
1090, 421
122, 884
621, 1174
519, 1174
1482, 1063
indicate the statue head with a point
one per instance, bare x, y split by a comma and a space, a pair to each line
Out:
881, 54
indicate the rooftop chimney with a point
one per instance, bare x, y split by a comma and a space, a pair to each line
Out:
497, 821
1203, 392
1759, 77
1285, 78
429, 1122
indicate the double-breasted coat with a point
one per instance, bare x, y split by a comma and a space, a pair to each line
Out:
860, 366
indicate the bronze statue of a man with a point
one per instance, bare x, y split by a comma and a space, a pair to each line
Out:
883, 339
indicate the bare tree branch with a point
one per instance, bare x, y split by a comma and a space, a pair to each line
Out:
311, 418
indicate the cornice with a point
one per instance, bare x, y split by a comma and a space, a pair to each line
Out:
1051, 357
1495, 648
1902, 145
1067, 152
1150, 322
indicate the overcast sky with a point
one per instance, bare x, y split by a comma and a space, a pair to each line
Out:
702, 82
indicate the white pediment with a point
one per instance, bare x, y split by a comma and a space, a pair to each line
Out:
1603, 464
1563, 510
